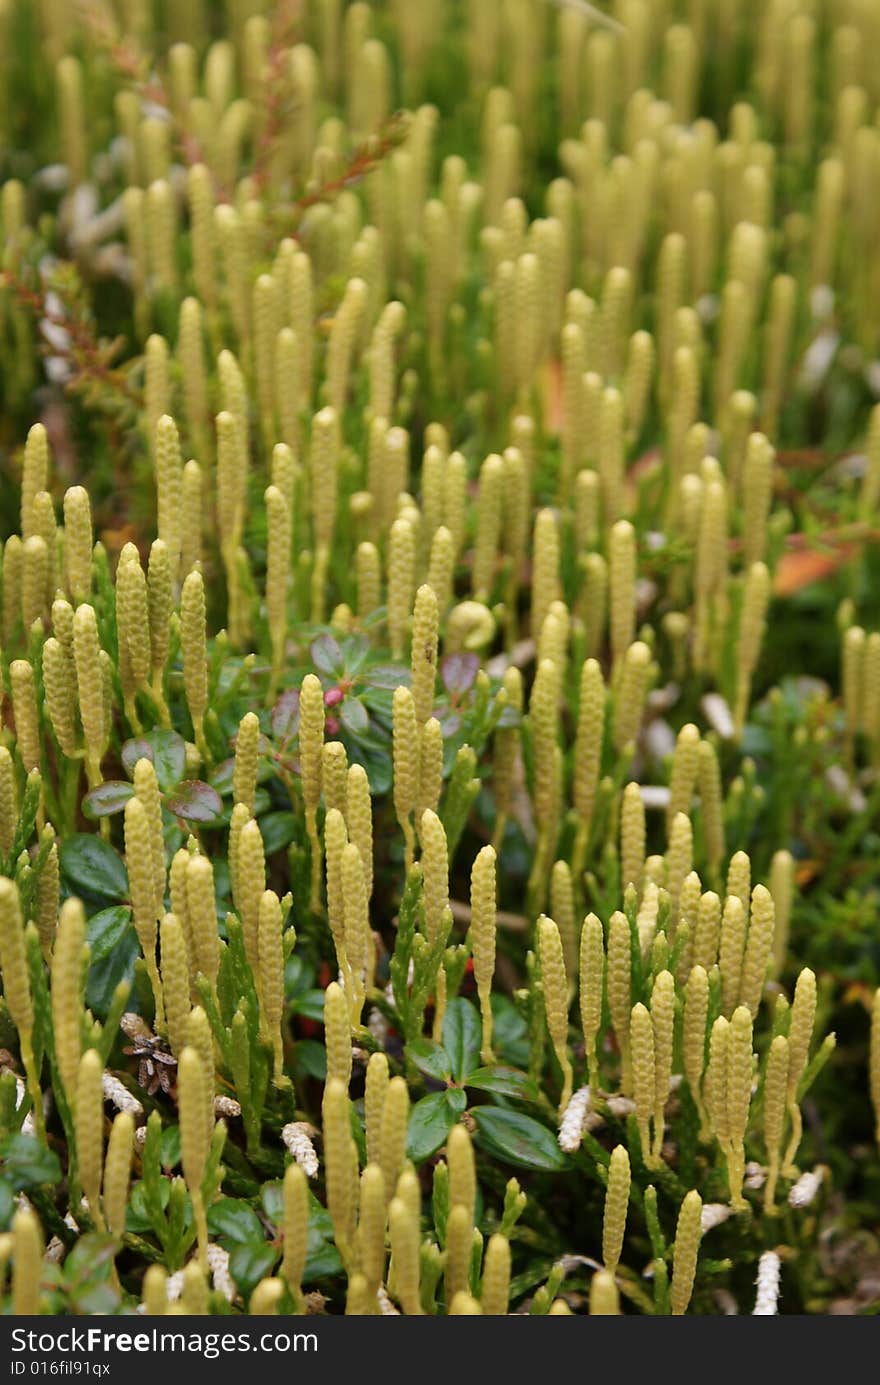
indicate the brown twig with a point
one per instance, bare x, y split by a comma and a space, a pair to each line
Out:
90, 360
364, 160
285, 24
133, 65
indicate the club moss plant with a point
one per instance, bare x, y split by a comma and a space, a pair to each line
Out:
439, 482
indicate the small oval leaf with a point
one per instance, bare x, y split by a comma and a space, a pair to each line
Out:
389, 676
105, 931
92, 869
170, 757
166, 750
458, 672
137, 749
195, 801
504, 1081
234, 1222
27, 1163
113, 950
353, 715
277, 830
251, 1262
285, 715
327, 656
518, 1139
430, 1122
107, 798
222, 777
430, 1058
462, 1035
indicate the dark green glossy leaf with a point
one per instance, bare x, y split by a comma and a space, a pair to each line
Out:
299, 976
137, 1218
90, 1259
27, 1163
167, 751
430, 1058
107, 798
221, 777
92, 869
234, 1222
113, 950
322, 1260
376, 763
430, 1122
504, 1081
272, 1198
250, 1263
105, 931
310, 1004
380, 704
518, 1139
462, 1035
509, 1032
278, 831
170, 758
311, 1058
138, 748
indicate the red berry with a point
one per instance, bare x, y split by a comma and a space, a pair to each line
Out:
333, 697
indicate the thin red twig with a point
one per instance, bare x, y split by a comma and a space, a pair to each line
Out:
89, 359
285, 27
363, 161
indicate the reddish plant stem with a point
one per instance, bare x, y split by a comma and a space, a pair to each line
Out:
88, 358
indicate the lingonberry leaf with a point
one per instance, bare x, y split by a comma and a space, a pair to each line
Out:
195, 801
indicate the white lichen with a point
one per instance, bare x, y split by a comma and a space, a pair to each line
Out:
767, 1297
218, 1264
805, 1189
386, 1307
174, 1286
115, 1092
572, 1125
713, 1214
297, 1139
